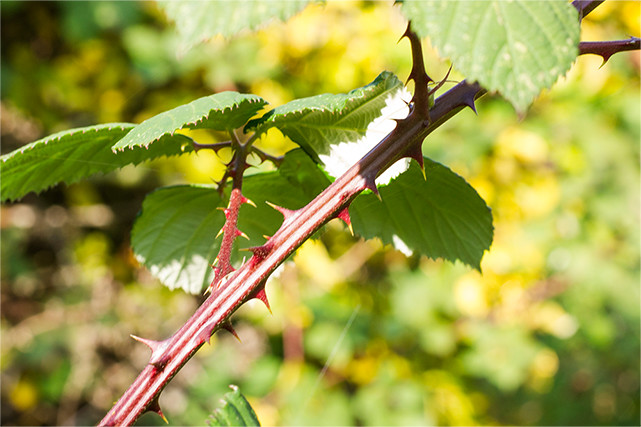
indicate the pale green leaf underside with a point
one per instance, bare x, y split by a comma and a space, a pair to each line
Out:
441, 217
514, 47
72, 155
197, 21
222, 111
174, 236
316, 122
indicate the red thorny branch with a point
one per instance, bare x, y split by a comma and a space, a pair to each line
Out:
168, 356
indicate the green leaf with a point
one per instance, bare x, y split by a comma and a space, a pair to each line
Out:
515, 47
72, 155
441, 217
223, 111
197, 21
316, 122
236, 411
174, 235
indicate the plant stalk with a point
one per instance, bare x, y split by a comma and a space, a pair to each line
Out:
248, 281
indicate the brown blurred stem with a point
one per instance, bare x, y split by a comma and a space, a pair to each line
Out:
606, 49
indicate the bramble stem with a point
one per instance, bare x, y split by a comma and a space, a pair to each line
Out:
248, 281
606, 49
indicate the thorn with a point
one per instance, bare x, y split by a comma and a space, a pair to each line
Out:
371, 185
260, 252
287, 213
152, 344
209, 289
344, 216
156, 347
266, 237
405, 34
262, 295
154, 406
241, 234
415, 152
226, 325
220, 232
468, 101
605, 57
244, 199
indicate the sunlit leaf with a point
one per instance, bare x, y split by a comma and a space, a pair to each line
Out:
514, 47
223, 111
316, 122
197, 21
75, 154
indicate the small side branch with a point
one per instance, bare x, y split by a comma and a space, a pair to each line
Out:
217, 146
418, 74
606, 49
230, 230
263, 156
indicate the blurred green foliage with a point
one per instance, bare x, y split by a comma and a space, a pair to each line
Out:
361, 334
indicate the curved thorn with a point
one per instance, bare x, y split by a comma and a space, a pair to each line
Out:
209, 289
370, 184
220, 232
152, 344
244, 199
226, 325
344, 216
416, 153
260, 252
154, 406
262, 295
468, 101
287, 213
241, 234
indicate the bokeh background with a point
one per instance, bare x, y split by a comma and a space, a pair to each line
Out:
360, 334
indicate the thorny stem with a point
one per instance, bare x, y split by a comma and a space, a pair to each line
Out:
230, 231
248, 281
606, 49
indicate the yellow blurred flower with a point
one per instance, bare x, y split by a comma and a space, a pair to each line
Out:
527, 147
24, 395
470, 296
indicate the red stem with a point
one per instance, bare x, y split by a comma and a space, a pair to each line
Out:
248, 281
250, 278
236, 199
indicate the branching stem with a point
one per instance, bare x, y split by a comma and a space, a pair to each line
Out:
248, 281
230, 230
